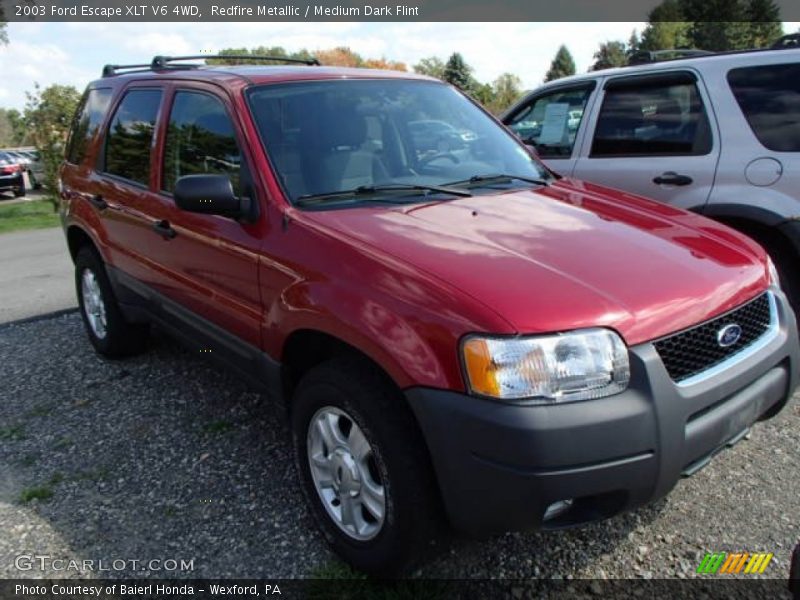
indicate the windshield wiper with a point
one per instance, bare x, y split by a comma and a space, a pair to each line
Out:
498, 177
370, 190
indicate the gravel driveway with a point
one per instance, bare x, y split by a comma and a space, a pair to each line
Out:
165, 457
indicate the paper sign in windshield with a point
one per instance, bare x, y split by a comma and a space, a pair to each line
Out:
555, 123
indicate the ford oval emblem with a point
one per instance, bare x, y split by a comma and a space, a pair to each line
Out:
729, 335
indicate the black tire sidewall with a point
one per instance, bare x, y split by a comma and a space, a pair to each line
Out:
121, 339
404, 529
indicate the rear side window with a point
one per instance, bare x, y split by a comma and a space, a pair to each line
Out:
87, 120
769, 96
652, 117
200, 139
131, 134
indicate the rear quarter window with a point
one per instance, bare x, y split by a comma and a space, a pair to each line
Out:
130, 135
88, 118
769, 96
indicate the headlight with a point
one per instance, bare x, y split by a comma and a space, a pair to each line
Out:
579, 365
774, 278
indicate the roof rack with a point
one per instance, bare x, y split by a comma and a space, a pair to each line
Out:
109, 70
650, 56
787, 41
159, 63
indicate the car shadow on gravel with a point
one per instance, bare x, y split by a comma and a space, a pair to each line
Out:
165, 457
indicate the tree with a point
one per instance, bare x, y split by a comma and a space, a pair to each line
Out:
562, 66
6, 131
610, 54
431, 66
277, 51
707, 32
3, 28
382, 63
507, 88
483, 93
18, 126
765, 23
667, 28
12, 128
633, 43
48, 115
341, 56
457, 72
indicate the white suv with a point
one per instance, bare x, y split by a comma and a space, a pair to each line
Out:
718, 134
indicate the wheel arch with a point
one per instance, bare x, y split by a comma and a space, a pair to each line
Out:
77, 238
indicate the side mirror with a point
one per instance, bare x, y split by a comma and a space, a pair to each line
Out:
209, 194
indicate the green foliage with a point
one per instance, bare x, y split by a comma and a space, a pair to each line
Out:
563, 65
36, 493
36, 214
48, 115
12, 128
457, 72
507, 88
3, 28
14, 433
276, 51
609, 55
696, 24
433, 66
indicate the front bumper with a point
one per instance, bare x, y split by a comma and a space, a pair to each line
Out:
500, 466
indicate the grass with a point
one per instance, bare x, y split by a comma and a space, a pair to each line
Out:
217, 427
35, 214
14, 432
42, 410
41, 492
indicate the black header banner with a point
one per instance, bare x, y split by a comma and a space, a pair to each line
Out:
339, 10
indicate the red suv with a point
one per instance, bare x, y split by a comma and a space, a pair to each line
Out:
457, 331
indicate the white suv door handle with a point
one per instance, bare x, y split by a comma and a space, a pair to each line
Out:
672, 178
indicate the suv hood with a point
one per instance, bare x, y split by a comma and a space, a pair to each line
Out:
569, 256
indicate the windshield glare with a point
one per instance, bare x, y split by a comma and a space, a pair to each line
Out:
334, 136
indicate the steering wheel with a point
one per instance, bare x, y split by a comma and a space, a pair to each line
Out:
423, 162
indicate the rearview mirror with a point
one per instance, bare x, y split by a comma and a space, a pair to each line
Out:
208, 194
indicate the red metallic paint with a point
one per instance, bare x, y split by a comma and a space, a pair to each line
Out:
404, 285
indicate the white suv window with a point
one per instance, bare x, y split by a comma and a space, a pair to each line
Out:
551, 122
769, 96
649, 116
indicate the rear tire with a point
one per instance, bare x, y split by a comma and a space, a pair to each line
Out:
348, 396
110, 334
20, 191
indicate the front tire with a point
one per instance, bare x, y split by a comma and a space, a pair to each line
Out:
20, 191
364, 467
108, 331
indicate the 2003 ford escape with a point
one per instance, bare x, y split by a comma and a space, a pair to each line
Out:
457, 330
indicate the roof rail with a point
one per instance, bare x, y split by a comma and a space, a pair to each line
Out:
787, 41
109, 70
650, 56
162, 62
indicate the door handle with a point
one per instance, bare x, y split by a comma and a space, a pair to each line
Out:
164, 229
672, 178
98, 202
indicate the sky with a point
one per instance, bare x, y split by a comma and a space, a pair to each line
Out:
74, 53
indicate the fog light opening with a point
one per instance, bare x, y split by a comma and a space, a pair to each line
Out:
556, 509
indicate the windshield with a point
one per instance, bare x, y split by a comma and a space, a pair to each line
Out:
325, 137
